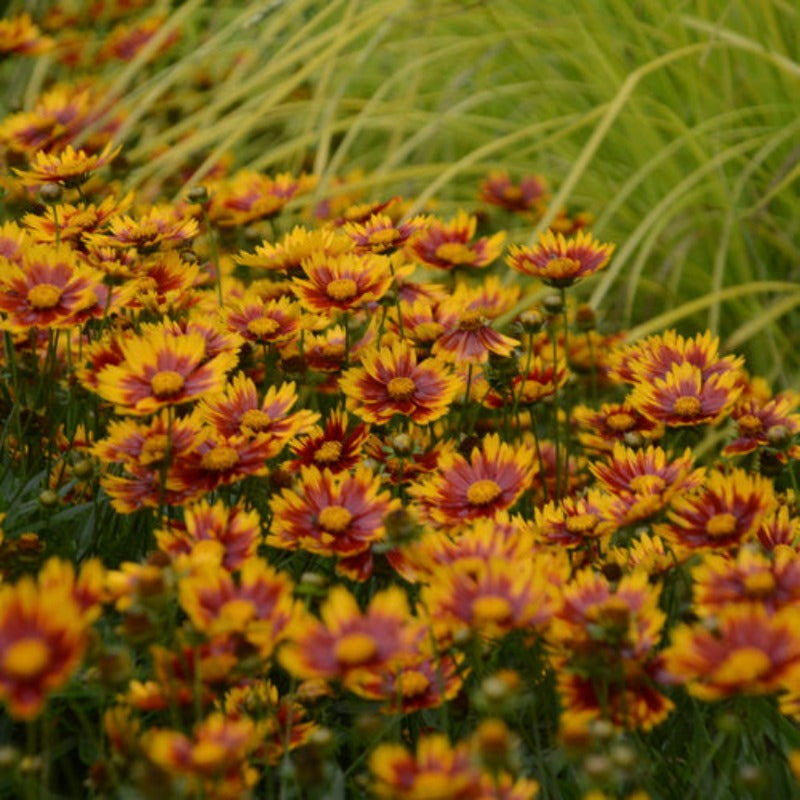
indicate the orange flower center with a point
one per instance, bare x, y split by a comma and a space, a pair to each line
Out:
471, 321
647, 484
562, 267
220, 459
328, 452
744, 665
721, 524
581, 523
687, 406
154, 449
166, 382
401, 388
759, 584
620, 421
263, 326
355, 648
335, 519
412, 682
491, 608
455, 253
749, 425
44, 296
483, 492
255, 419
26, 657
383, 236
342, 289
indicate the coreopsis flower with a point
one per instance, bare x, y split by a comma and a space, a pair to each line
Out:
69, 168
240, 412
493, 479
748, 651
342, 283
447, 245
336, 447
779, 527
600, 429
536, 380
272, 322
73, 222
645, 553
559, 261
333, 515
163, 367
759, 423
161, 226
721, 582
578, 521
345, 640
724, 512
43, 637
19, 35
287, 255
49, 289
469, 337
391, 381
645, 480
258, 606
236, 528
14, 241
404, 456
529, 195
381, 234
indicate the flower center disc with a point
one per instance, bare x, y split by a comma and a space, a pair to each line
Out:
620, 422
581, 523
44, 296
26, 658
255, 419
335, 519
483, 492
401, 388
454, 252
491, 609
759, 584
561, 267
355, 648
220, 459
154, 449
412, 682
471, 321
166, 382
749, 425
744, 665
342, 289
263, 326
687, 406
647, 484
721, 525
328, 453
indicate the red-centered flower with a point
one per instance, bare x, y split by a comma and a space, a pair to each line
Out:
492, 480
331, 515
163, 368
645, 553
342, 283
447, 245
43, 636
68, 167
725, 511
577, 521
346, 640
529, 195
406, 455
537, 380
48, 288
762, 424
19, 35
235, 528
779, 527
644, 480
158, 227
264, 322
752, 577
381, 234
558, 261
599, 430
335, 447
469, 337
748, 651
389, 382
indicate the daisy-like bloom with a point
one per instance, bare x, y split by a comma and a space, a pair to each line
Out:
496, 598
69, 168
599, 430
158, 227
19, 35
579, 521
236, 528
721, 582
43, 636
249, 196
345, 640
381, 234
299, 244
163, 368
645, 480
258, 606
447, 245
336, 447
721, 514
529, 195
758, 424
389, 381
420, 323
645, 553
469, 337
333, 515
779, 527
541, 380
264, 322
748, 651
558, 261
240, 412
492, 480
342, 283
48, 289
407, 455
75, 221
